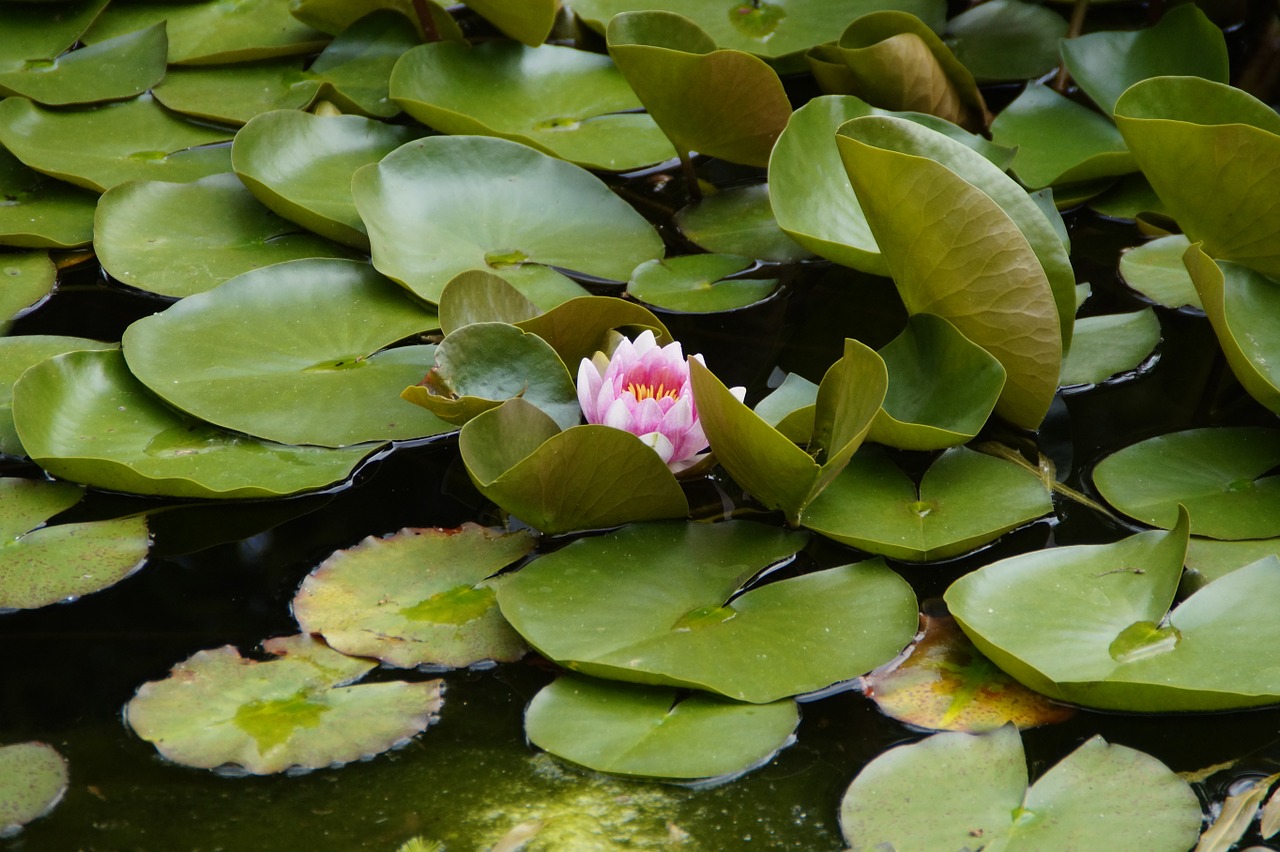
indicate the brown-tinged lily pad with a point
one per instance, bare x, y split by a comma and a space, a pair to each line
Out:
33, 778
297, 711
420, 597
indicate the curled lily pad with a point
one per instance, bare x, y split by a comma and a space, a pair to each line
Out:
1107, 345
83, 417
33, 779
421, 597
580, 327
951, 788
1217, 474
565, 102
297, 711
965, 500
234, 94
528, 22
557, 481
39, 212
114, 69
16, 355
739, 221
1156, 270
447, 204
790, 408
179, 239
41, 565
26, 279
479, 296
223, 356
697, 627
696, 283
655, 733
334, 16
1006, 39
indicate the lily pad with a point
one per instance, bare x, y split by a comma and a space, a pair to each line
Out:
696, 283
33, 31
739, 221
790, 408
324, 379
354, 70
39, 212
942, 683
564, 102
420, 597
16, 355
479, 296
1208, 558
82, 417
179, 239
529, 21
656, 733
26, 279
1110, 344
1006, 39
300, 166
697, 627
965, 500
33, 779
234, 94
298, 711
581, 327
42, 565
582, 478
1217, 474
1128, 199
1156, 270
111, 70
100, 146
446, 204
334, 16
951, 788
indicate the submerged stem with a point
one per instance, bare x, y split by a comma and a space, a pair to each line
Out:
690, 176
1078, 11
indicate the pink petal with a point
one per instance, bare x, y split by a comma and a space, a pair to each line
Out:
660, 445
618, 415
589, 383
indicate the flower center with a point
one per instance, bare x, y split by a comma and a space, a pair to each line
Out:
651, 391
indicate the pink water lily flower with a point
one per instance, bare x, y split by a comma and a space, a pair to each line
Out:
644, 389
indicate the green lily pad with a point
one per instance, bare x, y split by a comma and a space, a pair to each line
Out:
790, 408
300, 166
111, 70
1211, 153
354, 70
586, 477
33, 779
39, 212
323, 379
942, 387
420, 597
479, 296
16, 355
33, 31
480, 366
942, 683
82, 417
26, 279
1110, 344
581, 327
995, 269
42, 565
1110, 641
697, 628
529, 21
696, 283
1006, 39
1208, 558
739, 221
443, 205
101, 146
1241, 305
179, 239
965, 500
216, 31
564, 102
722, 103
1184, 43
298, 711
951, 788
656, 733
1218, 474
1156, 270
334, 16
1128, 199
1059, 141
234, 94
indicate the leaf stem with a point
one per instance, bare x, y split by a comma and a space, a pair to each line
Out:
690, 176
428, 23
1063, 78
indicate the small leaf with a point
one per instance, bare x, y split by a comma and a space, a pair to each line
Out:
1156, 270
1107, 345
33, 779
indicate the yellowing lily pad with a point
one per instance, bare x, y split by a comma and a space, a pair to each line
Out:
421, 597
297, 711
33, 779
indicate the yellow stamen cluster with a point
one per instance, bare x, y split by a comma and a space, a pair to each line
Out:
650, 392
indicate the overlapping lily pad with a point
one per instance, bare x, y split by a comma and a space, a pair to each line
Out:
653, 732
334, 16
739, 221
479, 296
234, 94
33, 779
16, 355
697, 283
420, 597
529, 21
1110, 344
441, 206
39, 212
1208, 558
952, 788
1006, 39
1156, 270
298, 711
41, 565
565, 102
324, 379
112, 70
697, 628
581, 327
32, 32
26, 278
83, 417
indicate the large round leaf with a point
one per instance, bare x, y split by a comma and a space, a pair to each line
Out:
26, 279
1110, 344
652, 732
738, 221
33, 778
40, 212
290, 353
1217, 474
179, 239
1156, 270
946, 791
81, 416
297, 711
118, 68
420, 597
16, 355
41, 565
568, 103
443, 205
663, 604
965, 500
